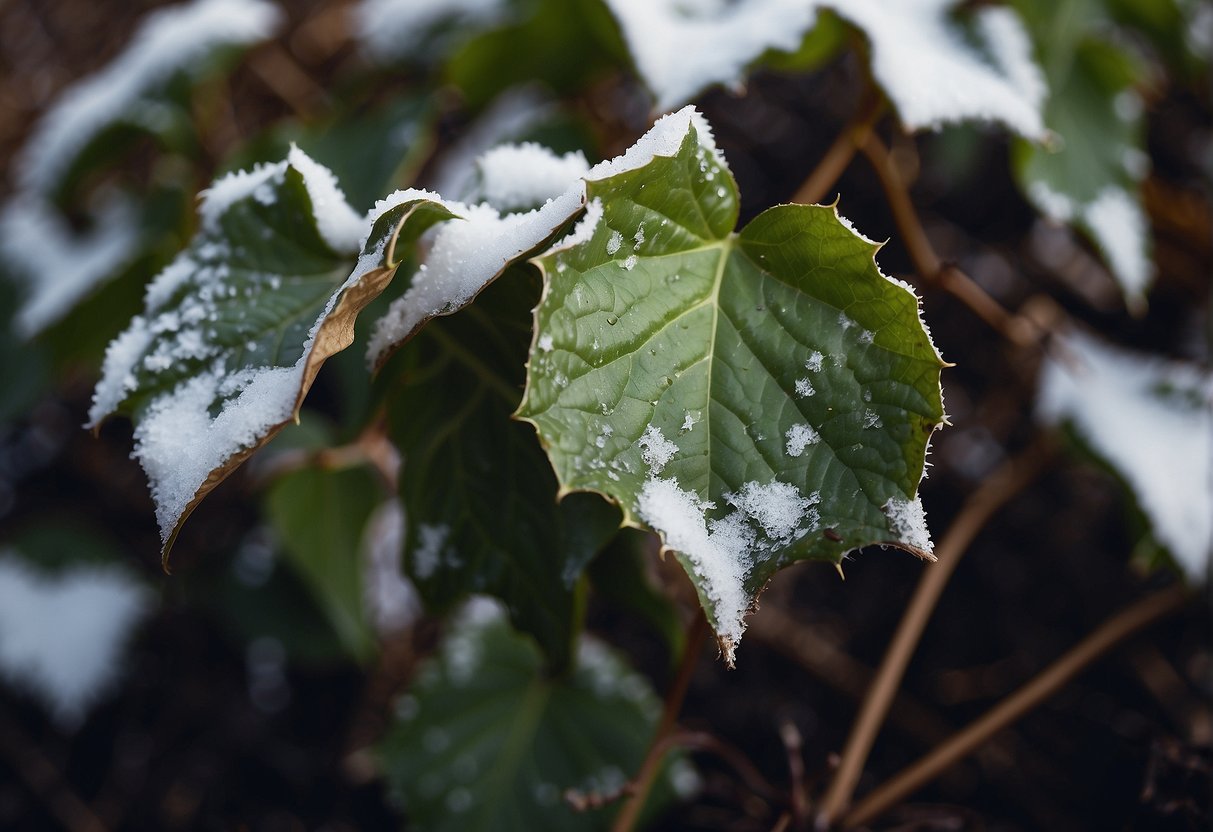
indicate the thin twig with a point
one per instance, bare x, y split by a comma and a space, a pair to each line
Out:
1016, 329
1053, 678
643, 782
794, 745
1011, 478
841, 152
734, 757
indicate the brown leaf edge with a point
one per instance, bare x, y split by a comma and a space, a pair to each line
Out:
401, 226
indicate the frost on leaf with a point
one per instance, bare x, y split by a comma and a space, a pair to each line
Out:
235, 329
659, 315
934, 69
1152, 421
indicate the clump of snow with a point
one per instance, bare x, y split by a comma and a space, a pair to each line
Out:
390, 599
722, 551
1119, 228
800, 437
908, 522
662, 139
813, 362
656, 450
1056, 206
682, 47
62, 635
392, 29
339, 224
170, 40
934, 77
613, 243
215, 201
804, 388
719, 554
778, 507
58, 266
466, 254
508, 119
1153, 422
516, 176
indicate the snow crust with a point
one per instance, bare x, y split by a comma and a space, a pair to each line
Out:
1153, 422
58, 266
908, 522
62, 635
1120, 229
522, 175
178, 38
934, 77
682, 47
392, 29
919, 56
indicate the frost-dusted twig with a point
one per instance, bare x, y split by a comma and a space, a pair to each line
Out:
842, 151
1005, 483
651, 765
1108, 635
1016, 329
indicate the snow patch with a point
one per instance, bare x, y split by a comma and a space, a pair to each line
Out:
514, 176
908, 522
1119, 228
390, 30
1153, 422
62, 635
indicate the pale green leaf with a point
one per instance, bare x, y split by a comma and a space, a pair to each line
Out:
758, 398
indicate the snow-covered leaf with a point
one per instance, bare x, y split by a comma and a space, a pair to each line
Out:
485, 741
1152, 421
62, 633
395, 30
236, 328
479, 495
935, 64
1090, 176
757, 398
171, 41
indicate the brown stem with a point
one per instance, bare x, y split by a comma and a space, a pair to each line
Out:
643, 782
1108, 635
1004, 484
1016, 329
841, 152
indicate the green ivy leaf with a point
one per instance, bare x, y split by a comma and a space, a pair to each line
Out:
1090, 175
757, 398
485, 742
237, 327
321, 515
479, 495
